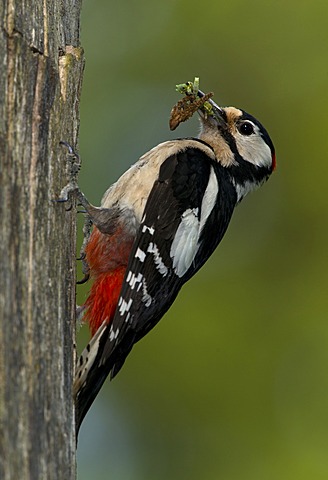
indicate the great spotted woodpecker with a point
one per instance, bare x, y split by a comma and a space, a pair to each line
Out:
157, 225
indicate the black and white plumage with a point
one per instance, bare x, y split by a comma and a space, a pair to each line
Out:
176, 202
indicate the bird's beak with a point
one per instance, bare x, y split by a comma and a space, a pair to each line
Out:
217, 115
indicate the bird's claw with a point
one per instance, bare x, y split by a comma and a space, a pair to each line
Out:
74, 168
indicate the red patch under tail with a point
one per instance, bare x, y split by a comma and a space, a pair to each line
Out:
103, 298
107, 257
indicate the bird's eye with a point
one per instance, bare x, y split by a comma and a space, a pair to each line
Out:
246, 128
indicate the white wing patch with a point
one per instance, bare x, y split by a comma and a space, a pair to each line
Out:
140, 254
184, 246
151, 230
186, 241
161, 267
209, 199
134, 280
124, 306
113, 335
146, 298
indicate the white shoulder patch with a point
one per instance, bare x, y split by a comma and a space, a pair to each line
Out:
185, 243
184, 246
209, 199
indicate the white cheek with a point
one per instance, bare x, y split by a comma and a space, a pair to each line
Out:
254, 150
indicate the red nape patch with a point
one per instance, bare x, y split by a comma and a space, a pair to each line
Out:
274, 162
103, 298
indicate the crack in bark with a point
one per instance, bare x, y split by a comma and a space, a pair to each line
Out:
33, 184
10, 92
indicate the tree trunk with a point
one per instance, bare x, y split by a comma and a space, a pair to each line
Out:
40, 83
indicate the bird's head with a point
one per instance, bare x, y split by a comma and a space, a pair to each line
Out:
235, 135
240, 143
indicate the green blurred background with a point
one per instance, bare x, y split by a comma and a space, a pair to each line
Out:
232, 384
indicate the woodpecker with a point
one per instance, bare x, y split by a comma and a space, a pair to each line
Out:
156, 227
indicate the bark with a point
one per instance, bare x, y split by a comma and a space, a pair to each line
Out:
40, 82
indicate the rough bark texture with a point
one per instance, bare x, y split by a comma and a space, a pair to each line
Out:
40, 82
